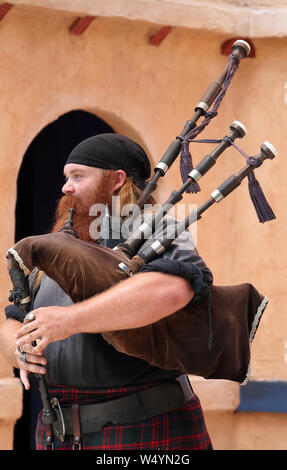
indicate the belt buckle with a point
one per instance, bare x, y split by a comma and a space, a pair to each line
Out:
59, 425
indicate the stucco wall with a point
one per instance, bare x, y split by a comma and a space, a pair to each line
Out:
148, 93
256, 18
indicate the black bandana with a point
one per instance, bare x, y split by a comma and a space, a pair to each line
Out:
112, 151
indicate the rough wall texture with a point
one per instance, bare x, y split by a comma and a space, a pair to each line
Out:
258, 18
148, 93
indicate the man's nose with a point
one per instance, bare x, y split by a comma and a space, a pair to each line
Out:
68, 188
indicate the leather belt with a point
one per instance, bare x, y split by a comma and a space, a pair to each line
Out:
137, 406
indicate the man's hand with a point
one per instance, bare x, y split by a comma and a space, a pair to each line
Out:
50, 324
32, 363
28, 361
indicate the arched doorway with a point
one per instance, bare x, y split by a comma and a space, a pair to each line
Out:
39, 186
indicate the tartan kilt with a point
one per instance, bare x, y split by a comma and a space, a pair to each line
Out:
183, 428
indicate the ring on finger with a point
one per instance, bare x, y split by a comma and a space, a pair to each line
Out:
23, 356
30, 316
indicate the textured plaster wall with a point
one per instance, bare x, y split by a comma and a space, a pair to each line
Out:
258, 18
148, 93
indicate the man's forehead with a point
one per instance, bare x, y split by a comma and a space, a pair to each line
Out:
73, 167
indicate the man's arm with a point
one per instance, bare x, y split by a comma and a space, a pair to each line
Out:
138, 301
34, 363
7, 340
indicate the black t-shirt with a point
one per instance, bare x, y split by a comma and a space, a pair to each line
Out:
87, 360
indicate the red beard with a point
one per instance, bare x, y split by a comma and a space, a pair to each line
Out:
81, 220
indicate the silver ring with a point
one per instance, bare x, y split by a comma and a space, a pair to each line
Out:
23, 356
20, 349
30, 316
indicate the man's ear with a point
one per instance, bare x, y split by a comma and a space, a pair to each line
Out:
120, 177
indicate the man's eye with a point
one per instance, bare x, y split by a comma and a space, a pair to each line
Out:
74, 177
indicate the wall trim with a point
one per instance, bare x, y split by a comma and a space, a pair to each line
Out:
255, 19
264, 396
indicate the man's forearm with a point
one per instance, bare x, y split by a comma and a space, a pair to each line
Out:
142, 300
138, 301
7, 340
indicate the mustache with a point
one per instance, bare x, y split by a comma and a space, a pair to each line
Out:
69, 201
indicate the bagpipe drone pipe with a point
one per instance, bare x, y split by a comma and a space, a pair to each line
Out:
212, 336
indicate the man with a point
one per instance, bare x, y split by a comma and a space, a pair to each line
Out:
154, 408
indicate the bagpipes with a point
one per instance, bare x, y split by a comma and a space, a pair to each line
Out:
210, 338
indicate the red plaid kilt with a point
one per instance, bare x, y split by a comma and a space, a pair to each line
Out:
183, 428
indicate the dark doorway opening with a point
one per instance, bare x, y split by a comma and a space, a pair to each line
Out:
39, 186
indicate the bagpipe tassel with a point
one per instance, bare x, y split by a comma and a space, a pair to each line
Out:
262, 208
186, 166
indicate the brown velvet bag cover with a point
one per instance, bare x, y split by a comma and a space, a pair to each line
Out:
81, 269
180, 341
177, 342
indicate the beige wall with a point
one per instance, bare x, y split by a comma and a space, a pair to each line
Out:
256, 18
148, 93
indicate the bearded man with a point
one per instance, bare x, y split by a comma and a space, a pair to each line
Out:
154, 408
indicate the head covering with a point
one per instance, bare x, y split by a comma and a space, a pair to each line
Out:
112, 151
